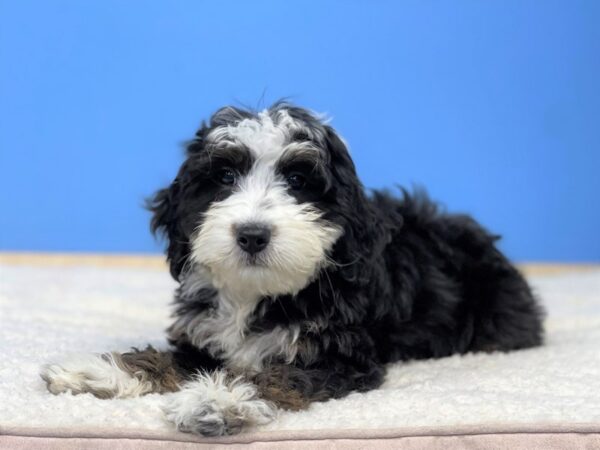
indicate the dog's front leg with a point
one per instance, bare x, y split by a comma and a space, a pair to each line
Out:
114, 374
216, 404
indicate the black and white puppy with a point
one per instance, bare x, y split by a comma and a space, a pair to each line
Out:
297, 286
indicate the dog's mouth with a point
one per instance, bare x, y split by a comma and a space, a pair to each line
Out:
256, 260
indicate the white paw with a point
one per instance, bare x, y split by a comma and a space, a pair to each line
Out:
212, 405
96, 374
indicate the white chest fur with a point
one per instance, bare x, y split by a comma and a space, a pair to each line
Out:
223, 331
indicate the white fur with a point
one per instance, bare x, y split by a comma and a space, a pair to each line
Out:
262, 135
92, 372
300, 239
213, 404
298, 247
223, 330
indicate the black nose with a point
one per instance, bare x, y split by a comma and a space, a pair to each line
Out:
253, 238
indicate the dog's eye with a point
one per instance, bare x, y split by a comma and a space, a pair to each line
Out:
226, 176
296, 181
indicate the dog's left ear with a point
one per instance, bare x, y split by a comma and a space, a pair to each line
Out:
366, 231
163, 206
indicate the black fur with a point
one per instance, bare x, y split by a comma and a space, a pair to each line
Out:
409, 281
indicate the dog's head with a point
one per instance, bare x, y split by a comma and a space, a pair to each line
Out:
261, 201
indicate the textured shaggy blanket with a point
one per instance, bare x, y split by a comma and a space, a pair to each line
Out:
49, 311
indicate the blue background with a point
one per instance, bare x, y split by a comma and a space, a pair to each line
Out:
494, 106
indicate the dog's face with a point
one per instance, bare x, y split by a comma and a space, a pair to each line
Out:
260, 201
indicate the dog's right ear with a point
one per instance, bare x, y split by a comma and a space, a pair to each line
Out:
163, 207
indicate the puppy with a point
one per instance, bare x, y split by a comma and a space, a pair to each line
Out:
296, 286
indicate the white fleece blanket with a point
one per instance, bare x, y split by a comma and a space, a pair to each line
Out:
47, 312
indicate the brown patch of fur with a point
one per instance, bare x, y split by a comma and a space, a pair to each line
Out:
287, 387
283, 397
103, 394
152, 366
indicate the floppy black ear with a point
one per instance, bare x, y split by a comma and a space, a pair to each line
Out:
164, 206
366, 230
164, 222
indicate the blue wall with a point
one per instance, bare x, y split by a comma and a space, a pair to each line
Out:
494, 106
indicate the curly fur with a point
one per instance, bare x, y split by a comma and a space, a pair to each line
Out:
352, 281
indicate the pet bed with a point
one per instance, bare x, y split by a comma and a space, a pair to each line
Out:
547, 397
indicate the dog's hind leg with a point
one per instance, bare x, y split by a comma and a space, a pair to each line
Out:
114, 375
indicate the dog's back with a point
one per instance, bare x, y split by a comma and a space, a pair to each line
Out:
450, 289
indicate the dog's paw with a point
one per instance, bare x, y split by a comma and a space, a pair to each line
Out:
207, 419
96, 374
212, 405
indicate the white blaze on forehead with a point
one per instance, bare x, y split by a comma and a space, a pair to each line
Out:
260, 135
266, 138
